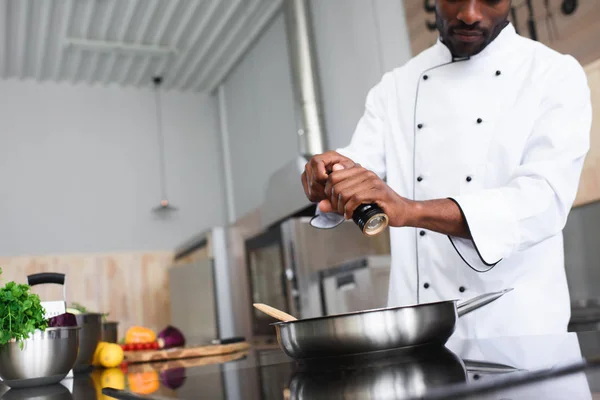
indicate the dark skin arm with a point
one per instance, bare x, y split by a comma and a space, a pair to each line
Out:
349, 185
440, 215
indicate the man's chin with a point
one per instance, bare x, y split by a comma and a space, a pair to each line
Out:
466, 49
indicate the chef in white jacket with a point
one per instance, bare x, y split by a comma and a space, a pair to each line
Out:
474, 148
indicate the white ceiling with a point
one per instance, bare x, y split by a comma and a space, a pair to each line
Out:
193, 43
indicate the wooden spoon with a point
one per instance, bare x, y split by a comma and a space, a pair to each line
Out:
275, 313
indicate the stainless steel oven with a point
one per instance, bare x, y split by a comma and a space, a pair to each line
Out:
267, 280
356, 285
285, 266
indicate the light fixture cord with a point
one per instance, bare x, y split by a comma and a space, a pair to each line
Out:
160, 144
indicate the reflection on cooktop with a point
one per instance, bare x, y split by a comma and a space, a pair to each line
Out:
393, 375
536, 367
54, 392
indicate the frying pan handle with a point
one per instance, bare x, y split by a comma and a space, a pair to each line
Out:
467, 306
488, 367
46, 277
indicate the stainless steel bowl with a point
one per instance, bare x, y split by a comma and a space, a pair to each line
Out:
91, 334
46, 358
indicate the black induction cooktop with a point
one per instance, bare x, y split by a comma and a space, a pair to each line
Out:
529, 367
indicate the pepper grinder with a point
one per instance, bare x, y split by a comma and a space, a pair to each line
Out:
370, 218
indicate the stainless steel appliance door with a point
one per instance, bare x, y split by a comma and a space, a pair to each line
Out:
359, 286
309, 251
193, 302
266, 273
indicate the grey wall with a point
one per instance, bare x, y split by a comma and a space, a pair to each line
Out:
356, 42
260, 117
79, 169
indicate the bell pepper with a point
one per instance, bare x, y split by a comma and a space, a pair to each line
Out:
139, 334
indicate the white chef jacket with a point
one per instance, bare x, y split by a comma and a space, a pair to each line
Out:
504, 134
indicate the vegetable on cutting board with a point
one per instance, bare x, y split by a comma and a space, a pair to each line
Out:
140, 338
21, 313
139, 346
139, 334
170, 337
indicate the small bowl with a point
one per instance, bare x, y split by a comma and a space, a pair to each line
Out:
46, 358
89, 337
110, 331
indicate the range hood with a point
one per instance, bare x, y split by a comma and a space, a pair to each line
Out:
284, 195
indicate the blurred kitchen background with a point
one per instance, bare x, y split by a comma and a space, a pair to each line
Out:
151, 150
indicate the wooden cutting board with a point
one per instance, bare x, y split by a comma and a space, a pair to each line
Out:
143, 356
160, 366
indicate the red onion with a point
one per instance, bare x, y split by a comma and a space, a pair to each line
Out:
170, 337
62, 320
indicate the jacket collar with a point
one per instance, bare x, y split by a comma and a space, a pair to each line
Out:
504, 42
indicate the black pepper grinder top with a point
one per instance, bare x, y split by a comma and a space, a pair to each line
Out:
370, 218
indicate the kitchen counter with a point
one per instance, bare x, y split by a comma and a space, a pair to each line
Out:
530, 367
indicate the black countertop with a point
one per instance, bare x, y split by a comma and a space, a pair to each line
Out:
531, 367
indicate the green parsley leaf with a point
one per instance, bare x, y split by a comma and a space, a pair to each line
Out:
21, 313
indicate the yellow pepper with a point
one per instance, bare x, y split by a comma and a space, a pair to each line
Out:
139, 334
